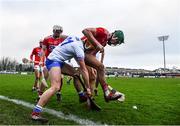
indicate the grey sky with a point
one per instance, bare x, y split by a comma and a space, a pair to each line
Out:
25, 22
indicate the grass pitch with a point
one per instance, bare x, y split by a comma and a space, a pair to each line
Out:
157, 102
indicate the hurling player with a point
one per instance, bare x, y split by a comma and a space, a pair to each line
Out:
38, 60
95, 40
71, 47
49, 43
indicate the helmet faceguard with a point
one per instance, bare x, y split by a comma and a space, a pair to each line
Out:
119, 35
57, 30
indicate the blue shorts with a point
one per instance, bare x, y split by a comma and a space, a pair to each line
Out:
51, 63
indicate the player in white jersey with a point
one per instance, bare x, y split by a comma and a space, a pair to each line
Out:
71, 47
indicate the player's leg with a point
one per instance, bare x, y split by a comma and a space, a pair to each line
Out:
69, 70
96, 85
42, 87
92, 77
55, 80
37, 79
91, 60
93, 80
58, 93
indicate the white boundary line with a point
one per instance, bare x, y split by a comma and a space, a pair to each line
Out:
53, 112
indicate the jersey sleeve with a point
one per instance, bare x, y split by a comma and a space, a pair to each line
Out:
79, 53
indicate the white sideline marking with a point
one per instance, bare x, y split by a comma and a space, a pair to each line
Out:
53, 112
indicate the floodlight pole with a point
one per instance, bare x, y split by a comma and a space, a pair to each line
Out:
163, 38
164, 55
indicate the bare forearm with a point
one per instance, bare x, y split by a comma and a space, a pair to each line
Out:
90, 33
85, 77
102, 57
90, 37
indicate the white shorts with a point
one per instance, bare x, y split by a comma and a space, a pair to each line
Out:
37, 67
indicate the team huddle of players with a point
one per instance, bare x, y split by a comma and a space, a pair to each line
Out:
57, 48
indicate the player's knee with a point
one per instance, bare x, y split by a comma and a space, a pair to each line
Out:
56, 85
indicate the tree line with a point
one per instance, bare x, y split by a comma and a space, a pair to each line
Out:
9, 64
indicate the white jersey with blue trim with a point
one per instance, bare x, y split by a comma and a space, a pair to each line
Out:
71, 47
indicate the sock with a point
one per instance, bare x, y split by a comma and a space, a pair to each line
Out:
106, 92
105, 87
37, 109
81, 93
58, 93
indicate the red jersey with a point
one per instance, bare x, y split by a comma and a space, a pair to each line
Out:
101, 36
50, 42
38, 53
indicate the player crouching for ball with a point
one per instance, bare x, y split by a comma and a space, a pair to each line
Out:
95, 39
71, 47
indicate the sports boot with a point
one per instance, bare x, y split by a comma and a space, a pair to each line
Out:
58, 97
82, 98
36, 117
111, 95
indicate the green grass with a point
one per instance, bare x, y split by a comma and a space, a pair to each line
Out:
157, 100
18, 115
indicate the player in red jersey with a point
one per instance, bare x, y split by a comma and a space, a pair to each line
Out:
95, 40
38, 60
50, 42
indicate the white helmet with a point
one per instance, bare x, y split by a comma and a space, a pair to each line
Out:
57, 28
